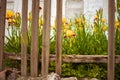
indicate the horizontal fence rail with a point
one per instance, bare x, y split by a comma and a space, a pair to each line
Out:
70, 58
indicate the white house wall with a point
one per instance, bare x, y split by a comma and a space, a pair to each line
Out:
88, 7
74, 8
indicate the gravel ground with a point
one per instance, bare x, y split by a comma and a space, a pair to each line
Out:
15, 75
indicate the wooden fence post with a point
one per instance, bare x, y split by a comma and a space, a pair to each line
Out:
2, 30
46, 38
111, 52
24, 38
59, 37
34, 38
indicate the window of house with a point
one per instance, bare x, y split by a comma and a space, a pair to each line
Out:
10, 5
74, 8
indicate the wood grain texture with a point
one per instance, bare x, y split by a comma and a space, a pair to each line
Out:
70, 58
2, 30
46, 38
24, 38
59, 37
34, 38
111, 41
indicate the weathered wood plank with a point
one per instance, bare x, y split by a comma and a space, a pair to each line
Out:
34, 38
46, 37
2, 30
70, 58
111, 51
24, 38
59, 37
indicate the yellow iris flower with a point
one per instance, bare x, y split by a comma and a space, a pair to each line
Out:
104, 28
117, 24
64, 20
103, 20
9, 14
78, 20
69, 33
96, 17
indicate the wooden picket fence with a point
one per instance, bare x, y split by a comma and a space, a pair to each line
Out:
110, 59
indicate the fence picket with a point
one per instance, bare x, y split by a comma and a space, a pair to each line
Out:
34, 38
24, 38
59, 37
2, 30
46, 37
111, 52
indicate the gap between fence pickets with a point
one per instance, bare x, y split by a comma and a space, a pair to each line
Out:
69, 58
